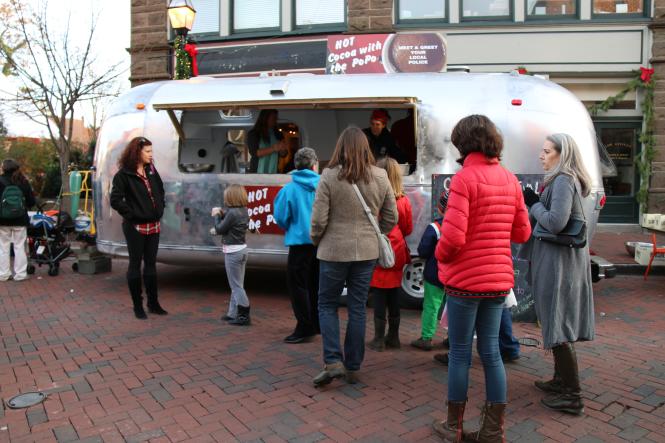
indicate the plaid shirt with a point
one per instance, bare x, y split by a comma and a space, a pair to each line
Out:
148, 228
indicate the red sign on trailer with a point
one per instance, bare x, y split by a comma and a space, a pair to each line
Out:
260, 209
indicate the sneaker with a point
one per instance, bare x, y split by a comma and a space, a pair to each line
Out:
442, 358
330, 372
422, 343
227, 317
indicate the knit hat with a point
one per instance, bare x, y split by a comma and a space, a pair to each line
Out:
443, 202
380, 115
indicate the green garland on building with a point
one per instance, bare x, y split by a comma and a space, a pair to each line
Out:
183, 62
642, 81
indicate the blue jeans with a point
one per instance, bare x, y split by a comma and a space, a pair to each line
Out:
508, 345
483, 315
332, 277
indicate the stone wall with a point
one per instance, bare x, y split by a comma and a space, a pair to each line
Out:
149, 48
370, 16
656, 203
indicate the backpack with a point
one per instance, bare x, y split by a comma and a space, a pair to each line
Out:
12, 202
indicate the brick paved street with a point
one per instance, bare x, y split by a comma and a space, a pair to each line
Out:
188, 377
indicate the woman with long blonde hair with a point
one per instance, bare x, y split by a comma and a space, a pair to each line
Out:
348, 247
386, 283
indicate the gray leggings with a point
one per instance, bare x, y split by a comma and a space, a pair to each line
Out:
235, 263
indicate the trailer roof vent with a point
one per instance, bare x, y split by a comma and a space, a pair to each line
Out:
279, 87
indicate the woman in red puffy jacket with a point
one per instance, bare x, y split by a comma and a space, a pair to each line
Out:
485, 214
385, 283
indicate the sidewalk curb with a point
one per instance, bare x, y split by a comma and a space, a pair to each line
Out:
637, 269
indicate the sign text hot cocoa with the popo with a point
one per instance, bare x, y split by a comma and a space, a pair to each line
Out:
355, 54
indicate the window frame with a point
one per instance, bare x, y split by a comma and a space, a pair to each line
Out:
421, 21
509, 18
209, 33
273, 30
646, 12
320, 27
551, 18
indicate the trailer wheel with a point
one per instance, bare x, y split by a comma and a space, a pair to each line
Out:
413, 287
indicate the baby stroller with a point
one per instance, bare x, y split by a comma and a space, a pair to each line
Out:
47, 240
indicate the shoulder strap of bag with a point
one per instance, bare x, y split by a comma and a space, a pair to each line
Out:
367, 210
579, 198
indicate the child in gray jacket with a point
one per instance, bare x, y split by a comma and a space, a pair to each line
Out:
232, 225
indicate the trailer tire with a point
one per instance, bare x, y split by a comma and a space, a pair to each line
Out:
412, 290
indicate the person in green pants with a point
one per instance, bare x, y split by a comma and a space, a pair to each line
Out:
435, 296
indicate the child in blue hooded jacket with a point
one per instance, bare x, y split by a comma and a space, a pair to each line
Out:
293, 213
435, 296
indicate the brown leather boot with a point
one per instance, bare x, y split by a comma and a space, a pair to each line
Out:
491, 424
554, 385
569, 400
451, 429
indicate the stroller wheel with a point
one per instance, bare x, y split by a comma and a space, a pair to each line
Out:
53, 270
75, 267
30, 270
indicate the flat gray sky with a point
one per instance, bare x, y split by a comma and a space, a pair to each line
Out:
110, 43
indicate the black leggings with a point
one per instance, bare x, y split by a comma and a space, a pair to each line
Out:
141, 248
383, 297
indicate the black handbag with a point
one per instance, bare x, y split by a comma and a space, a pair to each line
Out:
573, 235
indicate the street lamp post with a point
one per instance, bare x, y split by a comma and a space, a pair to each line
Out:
181, 15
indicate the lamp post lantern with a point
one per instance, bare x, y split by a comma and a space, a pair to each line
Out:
181, 15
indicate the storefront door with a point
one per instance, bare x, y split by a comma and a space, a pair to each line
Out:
621, 139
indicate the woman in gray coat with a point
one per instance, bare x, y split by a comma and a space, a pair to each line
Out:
348, 247
560, 276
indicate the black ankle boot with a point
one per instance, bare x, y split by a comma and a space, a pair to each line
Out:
154, 307
392, 338
243, 318
137, 300
378, 344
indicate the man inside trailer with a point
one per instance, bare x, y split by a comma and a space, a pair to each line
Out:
381, 142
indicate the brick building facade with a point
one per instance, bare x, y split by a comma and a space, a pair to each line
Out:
590, 47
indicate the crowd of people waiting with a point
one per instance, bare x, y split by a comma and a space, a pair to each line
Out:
330, 222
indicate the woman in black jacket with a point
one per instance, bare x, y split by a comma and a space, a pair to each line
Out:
138, 196
14, 219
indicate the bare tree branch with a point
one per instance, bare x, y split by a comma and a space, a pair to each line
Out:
56, 76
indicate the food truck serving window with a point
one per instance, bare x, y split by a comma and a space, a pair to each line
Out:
264, 139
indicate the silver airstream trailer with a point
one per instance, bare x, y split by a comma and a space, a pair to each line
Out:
195, 125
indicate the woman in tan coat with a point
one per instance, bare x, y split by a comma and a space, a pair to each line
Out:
348, 247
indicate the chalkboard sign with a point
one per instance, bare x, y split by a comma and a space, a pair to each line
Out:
525, 311
263, 58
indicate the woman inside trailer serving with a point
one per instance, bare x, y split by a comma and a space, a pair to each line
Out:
266, 144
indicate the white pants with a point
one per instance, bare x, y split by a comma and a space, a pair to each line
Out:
18, 236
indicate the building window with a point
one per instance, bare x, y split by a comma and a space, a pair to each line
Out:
485, 9
256, 15
432, 10
602, 7
551, 8
319, 12
207, 16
